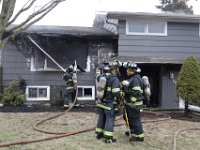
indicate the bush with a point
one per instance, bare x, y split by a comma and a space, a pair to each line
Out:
13, 95
188, 83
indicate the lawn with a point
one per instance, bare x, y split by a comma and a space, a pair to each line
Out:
17, 125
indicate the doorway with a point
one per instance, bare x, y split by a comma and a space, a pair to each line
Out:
153, 72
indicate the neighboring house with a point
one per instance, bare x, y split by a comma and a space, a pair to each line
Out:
159, 43
24, 59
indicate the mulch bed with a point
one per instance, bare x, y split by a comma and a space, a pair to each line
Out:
42, 108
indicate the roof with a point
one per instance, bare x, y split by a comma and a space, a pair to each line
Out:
177, 17
149, 60
69, 30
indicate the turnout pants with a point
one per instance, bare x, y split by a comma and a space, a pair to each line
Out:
134, 119
69, 97
106, 121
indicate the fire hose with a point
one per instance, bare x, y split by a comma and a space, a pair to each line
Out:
178, 132
65, 134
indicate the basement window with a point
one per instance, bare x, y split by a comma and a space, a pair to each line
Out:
86, 93
38, 93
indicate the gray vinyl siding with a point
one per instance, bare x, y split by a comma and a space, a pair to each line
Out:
168, 90
16, 66
182, 40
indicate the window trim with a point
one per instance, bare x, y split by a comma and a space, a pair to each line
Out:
87, 98
45, 69
38, 98
146, 28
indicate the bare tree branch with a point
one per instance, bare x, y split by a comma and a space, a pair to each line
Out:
18, 30
7, 11
45, 9
23, 9
34, 21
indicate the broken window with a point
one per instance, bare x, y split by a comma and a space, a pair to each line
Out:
63, 51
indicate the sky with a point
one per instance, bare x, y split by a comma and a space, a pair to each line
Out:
82, 12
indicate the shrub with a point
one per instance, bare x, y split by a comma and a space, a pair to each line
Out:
13, 95
188, 83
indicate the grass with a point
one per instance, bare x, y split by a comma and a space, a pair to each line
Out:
158, 135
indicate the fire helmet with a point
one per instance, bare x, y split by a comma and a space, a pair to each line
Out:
70, 68
132, 65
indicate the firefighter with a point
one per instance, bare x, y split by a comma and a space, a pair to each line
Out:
71, 87
133, 89
107, 104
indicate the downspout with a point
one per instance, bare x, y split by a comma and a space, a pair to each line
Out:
46, 53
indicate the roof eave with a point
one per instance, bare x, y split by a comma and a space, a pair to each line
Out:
166, 16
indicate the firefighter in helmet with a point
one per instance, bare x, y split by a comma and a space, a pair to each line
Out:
70, 79
133, 89
107, 104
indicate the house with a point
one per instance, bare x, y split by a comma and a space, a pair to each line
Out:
40, 54
158, 43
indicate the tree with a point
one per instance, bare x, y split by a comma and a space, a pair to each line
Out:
7, 17
188, 82
175, 6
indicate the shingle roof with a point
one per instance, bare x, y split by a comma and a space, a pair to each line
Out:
69, 30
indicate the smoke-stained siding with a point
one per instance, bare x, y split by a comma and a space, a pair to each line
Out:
64, 44
16, 66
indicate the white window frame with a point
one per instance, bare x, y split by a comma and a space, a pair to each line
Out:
87, 98
33, 68
146, 28
38, 98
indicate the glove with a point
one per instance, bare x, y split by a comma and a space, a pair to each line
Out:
125, 83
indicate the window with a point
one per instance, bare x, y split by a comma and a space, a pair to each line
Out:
64, 52
158, 28
37, 93
137, 27
86, 93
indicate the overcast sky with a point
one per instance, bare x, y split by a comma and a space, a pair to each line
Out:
82, 12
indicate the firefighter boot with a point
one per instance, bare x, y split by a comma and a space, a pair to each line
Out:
127, 133
136, 139
110, 140
99, 136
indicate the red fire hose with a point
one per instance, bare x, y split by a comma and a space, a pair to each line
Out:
64, 134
